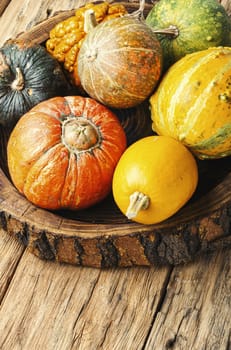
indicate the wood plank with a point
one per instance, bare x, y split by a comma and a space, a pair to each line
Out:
3, 5
51, 306
202, 221
195, 313
10, 254
83, 308
26, 15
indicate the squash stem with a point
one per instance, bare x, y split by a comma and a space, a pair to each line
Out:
139, 14
172, 31
18, 83
138, 201
90, 21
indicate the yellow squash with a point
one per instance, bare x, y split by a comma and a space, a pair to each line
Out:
154, 178
193, 103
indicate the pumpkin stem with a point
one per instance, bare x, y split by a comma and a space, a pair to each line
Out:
138, 201
172, 31
139, 14
90, 21
80, 135
18, 83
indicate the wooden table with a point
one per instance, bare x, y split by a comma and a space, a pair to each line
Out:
49, 306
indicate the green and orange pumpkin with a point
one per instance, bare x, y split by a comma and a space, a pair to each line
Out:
120, 61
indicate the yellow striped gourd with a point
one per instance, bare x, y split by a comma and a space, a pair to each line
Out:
193, 103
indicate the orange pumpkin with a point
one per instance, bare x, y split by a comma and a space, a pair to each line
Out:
62, 153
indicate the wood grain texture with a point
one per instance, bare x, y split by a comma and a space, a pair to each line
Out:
101, 236
198, 320
10, 254
3, 5
97, 309
27, 14
51, 306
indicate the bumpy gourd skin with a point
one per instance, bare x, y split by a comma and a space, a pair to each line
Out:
67, 36
200, 24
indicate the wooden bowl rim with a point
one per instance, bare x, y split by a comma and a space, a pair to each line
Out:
21, 210
40, 33
24, 211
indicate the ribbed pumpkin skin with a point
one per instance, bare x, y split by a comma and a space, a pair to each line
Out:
120, 62
43, 159
201, 24
193, 103
42, 78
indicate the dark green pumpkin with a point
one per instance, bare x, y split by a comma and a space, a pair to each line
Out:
28, 75
195, 25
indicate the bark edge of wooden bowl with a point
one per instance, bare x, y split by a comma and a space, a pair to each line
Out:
101, 236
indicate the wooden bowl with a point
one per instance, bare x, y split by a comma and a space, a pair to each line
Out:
101, 236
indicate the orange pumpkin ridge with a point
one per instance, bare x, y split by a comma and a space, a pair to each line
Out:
62, 153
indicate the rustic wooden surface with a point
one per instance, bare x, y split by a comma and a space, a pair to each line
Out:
56, 306
101, 236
